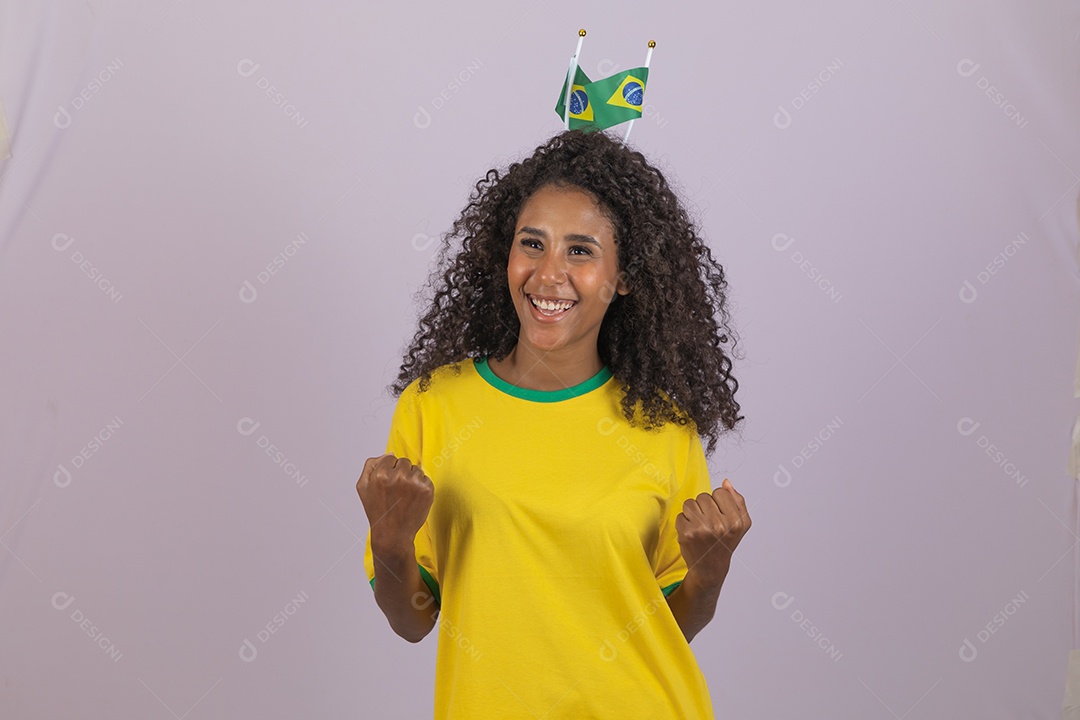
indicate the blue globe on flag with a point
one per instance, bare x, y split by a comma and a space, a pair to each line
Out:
632, 93
579, 101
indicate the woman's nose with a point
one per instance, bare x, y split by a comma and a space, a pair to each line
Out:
552, 269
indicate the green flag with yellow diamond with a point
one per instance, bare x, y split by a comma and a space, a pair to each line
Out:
581, 111
604, 103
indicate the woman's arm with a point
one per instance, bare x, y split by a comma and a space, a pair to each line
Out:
710, 526
402, 594
397, 496
693, 603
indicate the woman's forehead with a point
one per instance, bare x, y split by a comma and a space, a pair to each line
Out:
554, 204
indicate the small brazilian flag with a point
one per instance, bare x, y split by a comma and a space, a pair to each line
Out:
607, 102
581, 109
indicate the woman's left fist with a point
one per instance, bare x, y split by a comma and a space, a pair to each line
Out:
709, 529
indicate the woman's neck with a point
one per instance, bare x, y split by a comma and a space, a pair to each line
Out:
527, 368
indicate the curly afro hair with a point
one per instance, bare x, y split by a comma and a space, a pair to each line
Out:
665, 342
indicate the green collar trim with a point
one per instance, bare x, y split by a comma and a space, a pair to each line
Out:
574, 391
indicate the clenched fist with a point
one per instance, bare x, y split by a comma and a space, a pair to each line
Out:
397, 496
709, 528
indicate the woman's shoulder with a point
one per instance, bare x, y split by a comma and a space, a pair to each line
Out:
440, 379
672, 420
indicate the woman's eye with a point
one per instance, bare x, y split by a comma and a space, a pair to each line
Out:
584, 250
529, 243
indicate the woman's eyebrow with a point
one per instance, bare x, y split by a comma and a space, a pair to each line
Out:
573, 237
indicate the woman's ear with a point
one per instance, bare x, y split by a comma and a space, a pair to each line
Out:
613, 289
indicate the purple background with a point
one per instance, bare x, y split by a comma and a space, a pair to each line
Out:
846, 164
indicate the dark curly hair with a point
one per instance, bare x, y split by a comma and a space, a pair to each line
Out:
662, 341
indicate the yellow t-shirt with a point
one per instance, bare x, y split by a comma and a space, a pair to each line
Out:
551, 547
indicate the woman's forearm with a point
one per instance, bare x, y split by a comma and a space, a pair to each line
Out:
693, 603
402, 594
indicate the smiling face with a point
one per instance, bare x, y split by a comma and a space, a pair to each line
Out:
563, 258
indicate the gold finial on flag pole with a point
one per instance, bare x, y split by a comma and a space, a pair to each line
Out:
648, 57
570, 78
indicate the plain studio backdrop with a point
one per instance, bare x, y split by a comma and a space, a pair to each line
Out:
213, 220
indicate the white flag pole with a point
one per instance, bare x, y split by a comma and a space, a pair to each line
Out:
570, 78
648, 57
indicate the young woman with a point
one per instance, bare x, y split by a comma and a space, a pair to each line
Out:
544, 491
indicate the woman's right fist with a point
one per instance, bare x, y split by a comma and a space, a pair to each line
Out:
397, 496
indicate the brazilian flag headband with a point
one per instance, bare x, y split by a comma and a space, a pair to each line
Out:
596, 105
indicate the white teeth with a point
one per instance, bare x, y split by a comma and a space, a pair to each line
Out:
551, 304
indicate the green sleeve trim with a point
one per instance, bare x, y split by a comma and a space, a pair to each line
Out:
671, 588
432, 584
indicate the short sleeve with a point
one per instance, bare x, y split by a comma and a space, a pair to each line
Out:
405, 440
688, 482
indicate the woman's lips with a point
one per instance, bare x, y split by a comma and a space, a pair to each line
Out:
540, 315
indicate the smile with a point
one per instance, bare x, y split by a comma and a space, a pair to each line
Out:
551, 308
